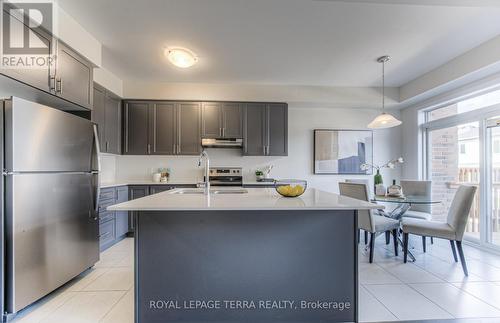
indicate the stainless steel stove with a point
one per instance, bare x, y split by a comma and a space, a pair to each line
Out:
226, 176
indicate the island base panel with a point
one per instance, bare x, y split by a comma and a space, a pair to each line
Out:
246, 266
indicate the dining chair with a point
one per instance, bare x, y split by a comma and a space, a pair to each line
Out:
453, 229
367, 219
418, 211
367, 183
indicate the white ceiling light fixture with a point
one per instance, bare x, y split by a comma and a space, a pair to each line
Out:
384, 120
181, 57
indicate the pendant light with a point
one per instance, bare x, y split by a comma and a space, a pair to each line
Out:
384, 120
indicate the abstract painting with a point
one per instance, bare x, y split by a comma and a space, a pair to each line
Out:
342, 151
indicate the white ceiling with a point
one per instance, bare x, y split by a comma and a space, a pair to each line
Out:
300, 42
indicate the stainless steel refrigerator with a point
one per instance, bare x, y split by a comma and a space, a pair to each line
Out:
50, 187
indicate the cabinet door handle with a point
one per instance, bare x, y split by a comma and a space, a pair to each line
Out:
220, 132
223, 132
173, 149
59, 86
107, 145
52, 83
149, 149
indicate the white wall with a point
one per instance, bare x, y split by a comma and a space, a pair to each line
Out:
411, 144
298, 163
108, 80
73, 34
478, 63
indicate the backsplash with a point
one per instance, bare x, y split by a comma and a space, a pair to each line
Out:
185, 168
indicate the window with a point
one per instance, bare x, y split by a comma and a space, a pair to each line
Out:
465, 149
496, 146
462, 149
475, 103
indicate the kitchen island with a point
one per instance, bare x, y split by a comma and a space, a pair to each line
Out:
245, 255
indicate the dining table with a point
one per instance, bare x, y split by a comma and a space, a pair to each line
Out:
403, 204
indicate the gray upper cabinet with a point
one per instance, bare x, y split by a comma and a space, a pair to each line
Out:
189, 128
67, 75
136, 134
255, 129
36, 77
106, 113
277, 129
266, 129
162, 128
222, 120
211, 116
74, 76
176, 128
232, 120
112, 128
99, 114
163, 133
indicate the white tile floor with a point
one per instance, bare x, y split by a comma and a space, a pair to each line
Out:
433, 287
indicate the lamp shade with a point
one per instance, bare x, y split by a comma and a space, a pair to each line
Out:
384, 120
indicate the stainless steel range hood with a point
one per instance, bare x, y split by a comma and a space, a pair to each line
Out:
222, 143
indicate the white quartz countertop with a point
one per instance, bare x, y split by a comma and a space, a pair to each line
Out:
144, 182
254, 199
172, 182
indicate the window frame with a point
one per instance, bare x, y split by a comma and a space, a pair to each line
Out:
481, 116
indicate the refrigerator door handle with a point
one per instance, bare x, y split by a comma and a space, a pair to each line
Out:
97, 169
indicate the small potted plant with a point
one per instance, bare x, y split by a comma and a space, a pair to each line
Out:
259, 175
377, 178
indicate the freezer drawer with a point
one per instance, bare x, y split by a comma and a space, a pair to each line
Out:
43, 139
52, 233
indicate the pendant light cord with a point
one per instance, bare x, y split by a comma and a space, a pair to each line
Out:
383, 86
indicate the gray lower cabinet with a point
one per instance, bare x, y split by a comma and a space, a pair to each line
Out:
222, 120
121, 217
160, 188
135, 192
74, 76
107, 230
266, 129
113, 226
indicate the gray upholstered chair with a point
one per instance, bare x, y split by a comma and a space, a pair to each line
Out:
418, 211
453, 229
367, 183
367, 219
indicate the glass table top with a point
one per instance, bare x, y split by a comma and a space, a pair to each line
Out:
405, 199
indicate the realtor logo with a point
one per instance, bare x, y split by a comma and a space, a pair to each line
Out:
27, 29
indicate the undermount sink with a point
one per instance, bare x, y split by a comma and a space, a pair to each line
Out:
212, 191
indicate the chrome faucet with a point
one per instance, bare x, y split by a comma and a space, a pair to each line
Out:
206, 183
